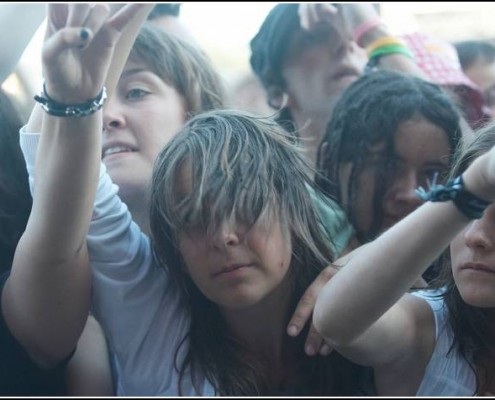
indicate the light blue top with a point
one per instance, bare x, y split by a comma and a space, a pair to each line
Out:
445, 374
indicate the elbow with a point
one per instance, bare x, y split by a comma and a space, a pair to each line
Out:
49, 361
331, 327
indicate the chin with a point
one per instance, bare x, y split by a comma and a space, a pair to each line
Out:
237, 302
478, 298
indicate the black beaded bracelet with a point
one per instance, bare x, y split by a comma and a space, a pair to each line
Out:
469, 204
57, 109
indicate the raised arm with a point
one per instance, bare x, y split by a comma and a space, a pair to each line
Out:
360, 22
46, 299
357, 311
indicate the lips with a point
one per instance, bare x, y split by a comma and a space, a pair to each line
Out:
116, 148
231, 268
346, 72
478, 267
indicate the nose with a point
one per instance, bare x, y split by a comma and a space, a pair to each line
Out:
479, 234
347, 50
401, 198
341, 48
226, 235
113, 117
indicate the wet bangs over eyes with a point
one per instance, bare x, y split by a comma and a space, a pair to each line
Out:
218, 192
232, 169
240, 165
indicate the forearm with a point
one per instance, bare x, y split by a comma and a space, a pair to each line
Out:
376, 276
49, 288
382, 271
64, 192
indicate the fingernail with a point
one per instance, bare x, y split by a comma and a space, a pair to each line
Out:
325, 350
84, 34
292, 330
310, 351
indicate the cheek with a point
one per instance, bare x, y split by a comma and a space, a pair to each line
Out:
456, 247
364, 194
165, 118
286, 253
157, 136
284, 262
191, 252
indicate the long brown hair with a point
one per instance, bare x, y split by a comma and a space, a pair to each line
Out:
241, 166
181, 65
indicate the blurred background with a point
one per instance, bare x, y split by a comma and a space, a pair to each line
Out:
224, 30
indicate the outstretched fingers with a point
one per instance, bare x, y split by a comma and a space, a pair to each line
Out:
125, 15
64, 39
78, 14
310, 14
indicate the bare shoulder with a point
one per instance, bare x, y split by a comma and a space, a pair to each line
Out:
403, 376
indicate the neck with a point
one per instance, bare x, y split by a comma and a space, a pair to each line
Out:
262, 327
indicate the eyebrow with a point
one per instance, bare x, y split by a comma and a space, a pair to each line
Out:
441, 162
133, 72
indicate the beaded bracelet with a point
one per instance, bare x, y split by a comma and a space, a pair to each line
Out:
57, 109
384, 41
469, 204
391, 49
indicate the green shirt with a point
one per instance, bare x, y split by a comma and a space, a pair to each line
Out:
334, 221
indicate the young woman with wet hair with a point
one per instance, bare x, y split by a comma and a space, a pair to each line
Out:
389, 134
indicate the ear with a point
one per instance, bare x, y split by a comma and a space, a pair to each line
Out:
277, 98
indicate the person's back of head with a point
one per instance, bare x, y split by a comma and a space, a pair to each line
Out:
182, 65
15, 197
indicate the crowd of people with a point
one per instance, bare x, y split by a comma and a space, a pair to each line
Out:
160, 238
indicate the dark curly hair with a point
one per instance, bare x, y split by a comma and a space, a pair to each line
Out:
369, 112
